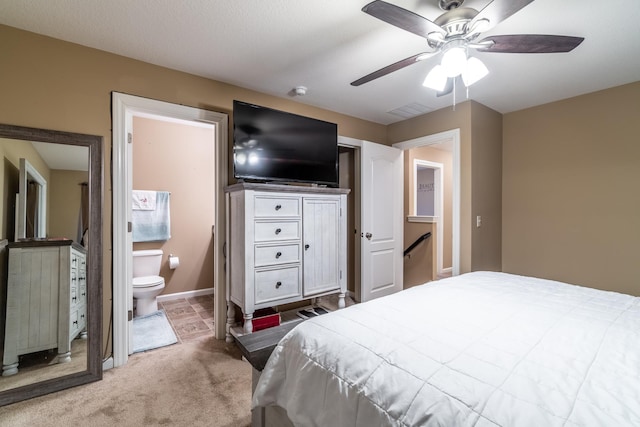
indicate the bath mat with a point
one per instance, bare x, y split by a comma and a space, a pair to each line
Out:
152, 331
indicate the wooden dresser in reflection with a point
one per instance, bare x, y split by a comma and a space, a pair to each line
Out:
46, 299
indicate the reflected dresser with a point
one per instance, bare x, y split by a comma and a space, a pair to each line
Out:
46, 299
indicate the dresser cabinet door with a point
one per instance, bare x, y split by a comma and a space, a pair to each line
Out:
321, 235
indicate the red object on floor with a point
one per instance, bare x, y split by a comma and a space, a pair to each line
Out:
265, 318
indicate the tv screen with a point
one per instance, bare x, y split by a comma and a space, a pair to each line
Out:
272, 145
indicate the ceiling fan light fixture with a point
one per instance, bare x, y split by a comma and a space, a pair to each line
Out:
474, 71
436, 79
454, 61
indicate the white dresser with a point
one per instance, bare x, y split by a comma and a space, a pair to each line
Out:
285, 244
46, 299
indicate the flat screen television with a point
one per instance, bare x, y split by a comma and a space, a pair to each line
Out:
272, 145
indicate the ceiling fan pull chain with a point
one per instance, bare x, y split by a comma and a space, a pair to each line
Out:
454, 94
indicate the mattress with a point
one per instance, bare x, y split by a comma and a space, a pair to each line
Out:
480, 349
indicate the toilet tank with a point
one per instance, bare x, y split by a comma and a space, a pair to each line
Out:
147, 262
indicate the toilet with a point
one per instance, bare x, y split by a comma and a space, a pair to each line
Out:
147, 284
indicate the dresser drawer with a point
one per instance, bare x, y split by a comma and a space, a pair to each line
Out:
268, 231
77, 320
276, 254
73, 296
270, 206
274, 285
74, 322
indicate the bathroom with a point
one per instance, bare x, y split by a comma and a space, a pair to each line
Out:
178, 157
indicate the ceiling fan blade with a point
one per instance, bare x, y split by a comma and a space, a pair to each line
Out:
529, 43
402, 18
448, 88
393, 67
497, 11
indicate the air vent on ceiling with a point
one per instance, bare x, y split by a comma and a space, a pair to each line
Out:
410, 110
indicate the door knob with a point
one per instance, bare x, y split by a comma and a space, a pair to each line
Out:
368, 236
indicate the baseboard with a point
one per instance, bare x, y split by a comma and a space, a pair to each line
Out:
447, 270
107, 364
186, 294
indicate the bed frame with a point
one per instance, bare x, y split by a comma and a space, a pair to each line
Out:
256, 349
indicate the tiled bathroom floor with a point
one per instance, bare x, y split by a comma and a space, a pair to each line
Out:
191, 318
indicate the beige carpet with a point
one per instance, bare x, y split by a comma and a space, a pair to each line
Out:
202, 383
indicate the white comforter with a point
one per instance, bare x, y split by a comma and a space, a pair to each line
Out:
481, 349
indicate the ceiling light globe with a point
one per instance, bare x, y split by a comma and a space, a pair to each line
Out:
436, 79
454, 61
474, 71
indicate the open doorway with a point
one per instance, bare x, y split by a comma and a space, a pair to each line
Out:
439, 156
125, 109
348, 178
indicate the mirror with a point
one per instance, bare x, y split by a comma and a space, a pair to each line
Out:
50, 261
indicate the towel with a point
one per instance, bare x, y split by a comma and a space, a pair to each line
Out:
152, 225
143, 200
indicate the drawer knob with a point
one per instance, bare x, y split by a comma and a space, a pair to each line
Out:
278, 230
278, 255
278, 207
75, 322
73, 299
278, 285
306, 247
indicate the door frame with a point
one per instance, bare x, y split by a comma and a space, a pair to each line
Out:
356, 146
452, 136
124, 108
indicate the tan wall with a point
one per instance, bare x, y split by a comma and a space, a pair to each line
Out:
48, 83
420, 265
179, 158
64, 205
440, 121
480, 146
571, 204
486, 128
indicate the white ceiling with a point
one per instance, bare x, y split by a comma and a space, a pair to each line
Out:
271, 46
62, 156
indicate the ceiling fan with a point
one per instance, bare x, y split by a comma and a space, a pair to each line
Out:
455, 32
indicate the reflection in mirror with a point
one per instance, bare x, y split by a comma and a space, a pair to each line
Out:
31, 202
50, 261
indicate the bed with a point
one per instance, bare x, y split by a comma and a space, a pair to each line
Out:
480, 349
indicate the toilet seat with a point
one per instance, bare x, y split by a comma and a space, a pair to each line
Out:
147, 281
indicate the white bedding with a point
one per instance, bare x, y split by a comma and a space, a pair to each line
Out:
481, 349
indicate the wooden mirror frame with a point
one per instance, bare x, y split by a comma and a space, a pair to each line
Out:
94, 262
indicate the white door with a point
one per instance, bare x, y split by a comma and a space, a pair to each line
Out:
382, 210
